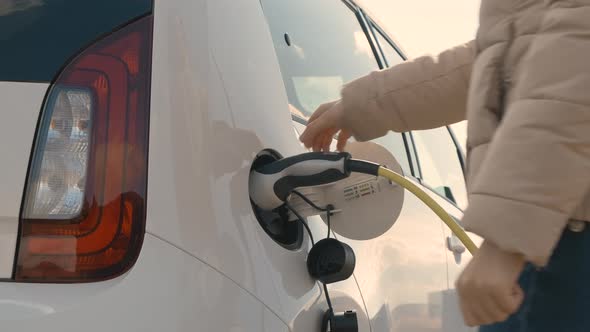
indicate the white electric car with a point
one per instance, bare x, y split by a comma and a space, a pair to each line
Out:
129, 129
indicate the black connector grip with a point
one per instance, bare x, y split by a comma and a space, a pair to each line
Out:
362, 166
282, 164
306, 170
271, 184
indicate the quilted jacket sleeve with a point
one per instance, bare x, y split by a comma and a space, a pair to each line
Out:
424, 93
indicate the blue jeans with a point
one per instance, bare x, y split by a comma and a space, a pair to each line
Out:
557, 297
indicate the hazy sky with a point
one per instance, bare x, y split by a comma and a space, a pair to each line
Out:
426, 26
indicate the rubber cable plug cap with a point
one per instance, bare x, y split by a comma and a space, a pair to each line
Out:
340, 322
331, 261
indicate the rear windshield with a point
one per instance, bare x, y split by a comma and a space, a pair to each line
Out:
37, 37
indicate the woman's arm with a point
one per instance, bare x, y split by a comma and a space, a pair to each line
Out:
423, 93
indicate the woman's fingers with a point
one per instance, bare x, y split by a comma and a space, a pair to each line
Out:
343, 137
311, 134
316, 129
509, 302
487, 288
491, 311
321, 110
325, 122
327, 141
327, 117
317, 143
492, 307
312, 131
323, 142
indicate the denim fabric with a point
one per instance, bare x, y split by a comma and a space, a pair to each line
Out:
557, 297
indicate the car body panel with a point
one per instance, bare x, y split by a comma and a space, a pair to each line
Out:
402, 273
217, 100
167, 290
22, 103
456, 263
208, 123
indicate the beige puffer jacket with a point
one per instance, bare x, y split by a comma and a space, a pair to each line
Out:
524, 86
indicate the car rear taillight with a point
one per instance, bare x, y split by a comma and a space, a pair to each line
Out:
83, 214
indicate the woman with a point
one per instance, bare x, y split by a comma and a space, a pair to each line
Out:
524, 86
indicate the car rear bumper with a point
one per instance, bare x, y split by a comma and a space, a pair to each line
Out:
167, 290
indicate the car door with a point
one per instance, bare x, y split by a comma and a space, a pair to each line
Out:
441, 170
401, 273
312, 39
405, 278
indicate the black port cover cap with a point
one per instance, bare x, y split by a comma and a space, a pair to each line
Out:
331, 261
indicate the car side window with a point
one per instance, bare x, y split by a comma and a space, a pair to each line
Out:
320, 46
394, 142
392, 57
440, 165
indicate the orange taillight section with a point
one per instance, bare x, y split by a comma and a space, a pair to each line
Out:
104, 238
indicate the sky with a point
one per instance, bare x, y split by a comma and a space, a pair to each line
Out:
427, 27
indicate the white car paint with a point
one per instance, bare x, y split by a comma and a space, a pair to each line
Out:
167, 290
21, 103
206, 265
202, 152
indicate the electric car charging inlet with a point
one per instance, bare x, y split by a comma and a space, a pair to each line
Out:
337, 187
272, 184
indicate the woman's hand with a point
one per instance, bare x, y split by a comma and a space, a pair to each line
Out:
326, 121
488, 288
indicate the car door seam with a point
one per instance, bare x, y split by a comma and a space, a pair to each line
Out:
222, 274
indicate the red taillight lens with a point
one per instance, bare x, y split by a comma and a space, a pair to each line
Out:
83, 216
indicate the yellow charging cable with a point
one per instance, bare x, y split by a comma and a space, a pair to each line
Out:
432, 204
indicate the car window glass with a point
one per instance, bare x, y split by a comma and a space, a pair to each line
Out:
394, 142
320, 46
439, 163
391, 55
37, 37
